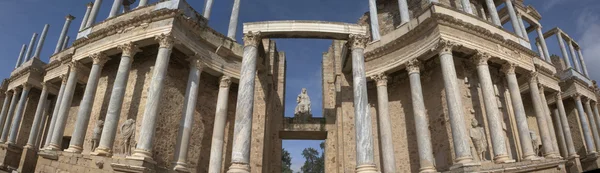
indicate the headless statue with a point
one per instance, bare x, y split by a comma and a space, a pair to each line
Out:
127, 136
536, 142
478, 136
96, 134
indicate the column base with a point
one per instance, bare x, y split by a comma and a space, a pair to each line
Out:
102, 151
181, 167
532, 157
429, 169
142, 153
366, 168
28, 160
53, 147
74, 149
458, 166
239, 168
573, 164
503, 159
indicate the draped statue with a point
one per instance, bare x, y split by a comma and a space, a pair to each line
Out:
127, 136
478, 136
536, 143
303, 107
96, 134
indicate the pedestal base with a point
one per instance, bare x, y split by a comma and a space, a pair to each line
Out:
459, 166
101, 151
28, 160
135, 164
430, 169
74, 149
239, 168
590, 162
10, 157
573, 165
181, 167
366, 169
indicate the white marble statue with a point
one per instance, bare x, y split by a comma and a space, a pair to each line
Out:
478, 136
303, 107
127, 136
96, 134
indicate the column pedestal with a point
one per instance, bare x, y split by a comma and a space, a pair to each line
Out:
28, 160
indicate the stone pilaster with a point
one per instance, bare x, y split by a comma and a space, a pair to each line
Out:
587, 133
16, 123
95, 9
233, 21
513, 18
385, 128
374, 20
37, 120
216, 148
563, 49
63, 34
65, 105
491, 7
9, 115
592, 120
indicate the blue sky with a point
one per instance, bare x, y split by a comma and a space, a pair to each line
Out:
20, 18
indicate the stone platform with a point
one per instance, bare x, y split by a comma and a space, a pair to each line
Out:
75, 163
544, 165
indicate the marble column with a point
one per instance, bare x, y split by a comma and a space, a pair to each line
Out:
5, 105
522, 25
573, 57
233, 21
38, 118
65, 44
85, 106
21, 54
404, 13
492, 111
59, 97
45, 117
426, 160
519, 111
40, 44
563, 49
560, 134
216, 147
466, 5
385, 127
115, 103
592, 120
596, 115
374, 20
434, 1
540, 116
142, 3
148, 127
30, 48
540, 51
565, 126
114, 10
589, 140
207, 8
362, 118
65, 105
491, 6
187, 117
240, 153
95, 9
9, 115
548, 114
585, 71
86, 16
514, 20
542, 41
63, 34
18, 116
455, 107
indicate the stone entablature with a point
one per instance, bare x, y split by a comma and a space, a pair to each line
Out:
30, 72
304, 29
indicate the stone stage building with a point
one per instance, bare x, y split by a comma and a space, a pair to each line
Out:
414, 86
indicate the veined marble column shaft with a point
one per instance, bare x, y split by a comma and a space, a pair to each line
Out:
14, 128
143, 3
65, 105
85, 106
385, 128
240, 153
519, 111
92, 19
374, 20
187, 117
573, 57
466, 5
115, 104
148, 127
86, 16
207, 8
21, 54
548, 114
491, 7
5, 105
63, 34
362, 117
513, 18
455, 107
426, 160
523, 30
216, 147
38, 118
59, 97
542, 42
563, 49
114, 10
592, 120
30, 48
565, 126
540, 116
233, 21
589, 140
40, 44
491, 108
404, 15
9, 115
560, 134
585, 71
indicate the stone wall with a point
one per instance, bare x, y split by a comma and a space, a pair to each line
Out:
28, 115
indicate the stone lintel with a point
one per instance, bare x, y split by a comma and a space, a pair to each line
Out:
304, 29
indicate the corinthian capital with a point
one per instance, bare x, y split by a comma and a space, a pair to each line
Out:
225, 81
69, 17
63, 78
197, 63
165, 40
481, 58
413, 66
99, 58
577, 96
357, 41
380, 78
74, 65
252, 39
129, 49
509, 68
533, 77
445, 46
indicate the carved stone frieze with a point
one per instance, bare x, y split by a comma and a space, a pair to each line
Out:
381, 79
358, 41
252, 39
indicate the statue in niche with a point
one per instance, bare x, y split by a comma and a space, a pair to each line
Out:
478, 136
536, 143
303, 108
96, 134
127, 136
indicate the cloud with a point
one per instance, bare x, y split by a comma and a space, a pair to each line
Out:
588, 27
551, 3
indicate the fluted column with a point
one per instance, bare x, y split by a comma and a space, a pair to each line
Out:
85, 106
9, 115
114, 10
95, 9
542, 42
385, 127
374, 20
5, 105
491, 7
540, 116
21, 54
592, 120
513, 18
589, 140
560, 133
59, 97
65, 105
548, 114
573, 57
466, 5
115, 104
216, 147
240, 153
63, 34
426, 160
584, 68
563, 49
30, 48
38, 118
86, 16
144, 144
40, 44
404, 15
14, 128
519, 111
187, 117
565, 126
455, 107
207, 8
233, 21
491, 108
142, 3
